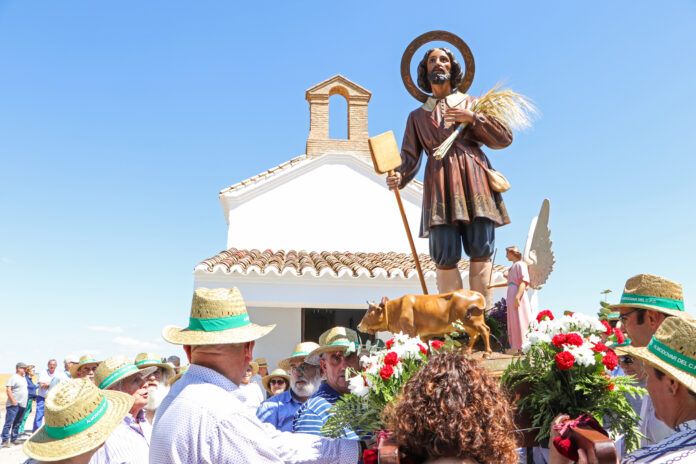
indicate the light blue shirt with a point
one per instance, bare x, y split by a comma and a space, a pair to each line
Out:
678, 447
279, 411
202, 421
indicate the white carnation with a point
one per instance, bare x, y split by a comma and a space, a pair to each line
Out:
357, 386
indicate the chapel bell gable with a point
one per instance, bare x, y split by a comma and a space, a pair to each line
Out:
357, 98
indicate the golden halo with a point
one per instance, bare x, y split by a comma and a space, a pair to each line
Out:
432, 36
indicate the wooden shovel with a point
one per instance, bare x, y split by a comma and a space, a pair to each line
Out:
386, 158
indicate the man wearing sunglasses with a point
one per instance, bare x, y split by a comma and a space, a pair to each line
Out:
305, 379
648, 300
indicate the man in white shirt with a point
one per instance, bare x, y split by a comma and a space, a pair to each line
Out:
17, 396
200, 421
45, 380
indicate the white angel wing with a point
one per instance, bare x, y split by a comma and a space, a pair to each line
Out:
537, 251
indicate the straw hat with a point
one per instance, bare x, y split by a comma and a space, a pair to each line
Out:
646, 291
266, 379
85, 360
672, 349
218, 316
336, 339
144, 360
79, 418
262, 362
254, 368
300, 353
117, 368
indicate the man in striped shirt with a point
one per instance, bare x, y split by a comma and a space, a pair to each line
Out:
338, 351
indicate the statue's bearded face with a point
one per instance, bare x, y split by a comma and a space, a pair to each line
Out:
439, 67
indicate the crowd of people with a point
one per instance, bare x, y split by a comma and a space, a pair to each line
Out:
225, 406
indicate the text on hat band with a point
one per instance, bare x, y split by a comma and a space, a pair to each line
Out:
69, 430
217, 324
666, 303
672, 357
118, 373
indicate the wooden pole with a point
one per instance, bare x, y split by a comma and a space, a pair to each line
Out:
410, 238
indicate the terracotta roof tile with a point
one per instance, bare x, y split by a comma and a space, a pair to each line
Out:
300, 262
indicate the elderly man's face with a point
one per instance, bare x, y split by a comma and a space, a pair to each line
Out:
52, 366
155, 379
334, 365
304, 378
136, 386
87, 371
659, 390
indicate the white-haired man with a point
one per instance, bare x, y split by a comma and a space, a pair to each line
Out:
200, 421
157, 381
305, 379
338, 351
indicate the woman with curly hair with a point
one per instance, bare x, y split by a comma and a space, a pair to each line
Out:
453, 411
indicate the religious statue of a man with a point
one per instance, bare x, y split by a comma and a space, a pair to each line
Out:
459, 207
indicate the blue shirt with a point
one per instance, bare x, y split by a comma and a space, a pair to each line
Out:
279, 411
678, 447
315, 412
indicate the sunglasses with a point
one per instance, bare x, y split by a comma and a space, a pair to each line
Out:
277, 382
624, 317
302, 367
626, 360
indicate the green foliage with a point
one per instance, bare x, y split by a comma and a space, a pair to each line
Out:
547, 391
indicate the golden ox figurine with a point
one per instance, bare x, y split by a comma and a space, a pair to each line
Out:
429, 316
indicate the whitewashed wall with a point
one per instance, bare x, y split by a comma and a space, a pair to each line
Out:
281, 341
331, 203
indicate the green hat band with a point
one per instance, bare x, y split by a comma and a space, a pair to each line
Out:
148, 361
119, 373
89, 361
672, 357
299, 353
217, 324
666, 303
69, 430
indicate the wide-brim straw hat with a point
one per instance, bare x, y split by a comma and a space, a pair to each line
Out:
117, 368
299, 354
144, 360
84, 361
78, 418
655, 293
218, 316
266, 379
672, 350
336, 339
262, 362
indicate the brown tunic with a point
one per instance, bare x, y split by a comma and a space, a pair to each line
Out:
456, 188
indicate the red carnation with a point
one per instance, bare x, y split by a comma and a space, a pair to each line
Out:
390, 343
619, 336
437, 344
386, 372
423, 348
599, 347
370, 456
566, 448
606, 325
574, 339
391, 359
544, 314
610, 360
611, 386
558, 340
565, 360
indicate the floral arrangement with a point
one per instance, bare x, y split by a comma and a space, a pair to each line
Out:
566, 368
384, 372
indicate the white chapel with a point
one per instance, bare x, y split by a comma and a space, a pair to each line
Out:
310, 240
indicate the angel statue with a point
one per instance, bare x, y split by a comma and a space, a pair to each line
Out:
530, 269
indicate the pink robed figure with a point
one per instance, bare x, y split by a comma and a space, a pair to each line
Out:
519, 311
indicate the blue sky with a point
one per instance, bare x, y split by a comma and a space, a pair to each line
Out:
121, 121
